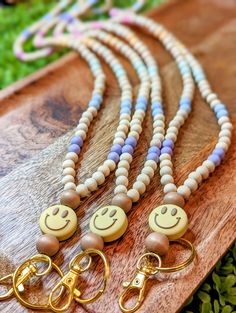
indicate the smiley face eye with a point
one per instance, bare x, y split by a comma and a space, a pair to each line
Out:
104, 211
173, 211
64, 214
112, 213
164, 210
55, 211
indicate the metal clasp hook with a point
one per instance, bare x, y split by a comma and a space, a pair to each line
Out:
138, 284
70, 280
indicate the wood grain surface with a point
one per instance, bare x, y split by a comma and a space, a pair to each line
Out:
37, 118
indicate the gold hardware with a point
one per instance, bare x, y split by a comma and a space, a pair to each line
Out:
70, 280
145, 271
27, 270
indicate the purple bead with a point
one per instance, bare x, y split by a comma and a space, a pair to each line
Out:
168, 143
220, 152
77, 140
215, 159
113, 156
128, 148
131, 141
152, 156
166, 150
154, 150
74, 148
116, 148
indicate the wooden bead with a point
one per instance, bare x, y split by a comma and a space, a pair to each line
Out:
123, 201
70, 198
174, 198
92, 240
158, 243
47, 244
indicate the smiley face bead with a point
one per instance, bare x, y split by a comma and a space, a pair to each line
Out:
109, 222
59, 221
169, 220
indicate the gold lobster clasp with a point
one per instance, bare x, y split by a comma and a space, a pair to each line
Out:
70, 280
138, 284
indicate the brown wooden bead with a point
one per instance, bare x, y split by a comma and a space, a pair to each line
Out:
92, 240
47, 244
123, 201
174, 198
158, 243
70, 198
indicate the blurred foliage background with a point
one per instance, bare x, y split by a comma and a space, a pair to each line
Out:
218, 293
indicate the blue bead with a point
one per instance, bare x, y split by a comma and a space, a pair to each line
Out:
142, 99
132, 141
157, 111
152, 156
125, 110
222, 113
128, 149
185, 101
220, 152
215, 159
219, 107
185, 107
97, 98
77, 140
113, 156
156, 105
168, 143
74, 148
154, 149
166, 150
141, 106
116, 148
94, 103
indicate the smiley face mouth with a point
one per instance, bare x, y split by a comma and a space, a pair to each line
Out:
104, 228
55, 229
164, 227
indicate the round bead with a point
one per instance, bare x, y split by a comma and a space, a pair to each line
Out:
99, 177
104, 169
69, 171
133, 195
68, 163
47, 244
120, 189
170, 220
123, 201
72, 156
174, 198
184, 191
109, 222
167, 179
70, 198
169, 188
70, 186
92, 240
68, 179
139, 186
157, 243
152, 164
122, 180
82, 190
91, 184
191, 183
203, 171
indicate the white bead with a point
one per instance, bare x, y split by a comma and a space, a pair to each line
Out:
225, 133
165, 156
84, 120
82, 190
222, 145
166, 179
99, 177
227, 125
171, 136
170, 188
210, 165
124, 164
196, 176
72, 156
140, 187
120, 189
133, 195
184, 191
203, 170
166, 170
104, 169
88, 115
144, 178
111, 164
152, 164
223, 119
68, 163
166, 163
122, 172
69, 171
136, 128
191, 184
134, 134
122, 180
225, 140
148, 170
81, 133
70, 186
126, 156
68, 179
119, 141
91, 184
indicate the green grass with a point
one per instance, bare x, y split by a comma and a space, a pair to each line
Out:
218, 293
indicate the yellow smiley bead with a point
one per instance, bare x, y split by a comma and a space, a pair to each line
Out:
170, 220
59, 221
109, 222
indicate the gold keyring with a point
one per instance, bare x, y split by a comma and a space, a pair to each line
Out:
19, 271
146, 255
182, 265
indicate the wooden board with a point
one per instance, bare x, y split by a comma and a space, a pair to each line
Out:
37, 118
